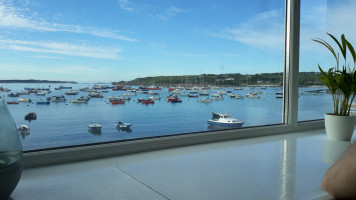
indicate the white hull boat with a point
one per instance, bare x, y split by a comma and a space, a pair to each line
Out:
225, 121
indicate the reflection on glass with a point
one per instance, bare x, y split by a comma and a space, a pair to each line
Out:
317, 18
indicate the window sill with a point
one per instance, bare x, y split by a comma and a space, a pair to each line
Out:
282, 166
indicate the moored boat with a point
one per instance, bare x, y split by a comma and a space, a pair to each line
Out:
117, 102
42, 101
147, 101
23, 129
225, 121
79, 100
72, 92
12, 102
25, 100
94, 127
206, 100
121, 125
31, 116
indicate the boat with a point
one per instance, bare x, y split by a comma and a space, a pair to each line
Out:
58, 99
42, 102
155, 98
25, 100
23, 129
95, 95
12, 95
79, 100
204, 93
42, 93
117, 102
225, 121
64, 87
121, 125
239, 96
94, 127
12, 102
176, 101
218, 97
84, 89
206, 100
153, 93
153, 88
129, 94
171, 98
193, 96
31, 116
72, 92
147, 101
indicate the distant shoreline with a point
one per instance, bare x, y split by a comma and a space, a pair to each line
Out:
36, 81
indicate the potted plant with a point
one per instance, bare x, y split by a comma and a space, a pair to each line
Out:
341, 81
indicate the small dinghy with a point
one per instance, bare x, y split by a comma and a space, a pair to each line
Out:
125, 127
94, 127
23, 129
31, 116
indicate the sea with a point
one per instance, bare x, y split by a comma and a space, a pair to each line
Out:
63, 124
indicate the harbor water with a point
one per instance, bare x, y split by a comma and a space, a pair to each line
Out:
65, 124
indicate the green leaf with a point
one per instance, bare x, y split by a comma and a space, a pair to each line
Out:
352, 51
328, 46
343, 51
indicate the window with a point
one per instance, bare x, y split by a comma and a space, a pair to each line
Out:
184, 48
318, 18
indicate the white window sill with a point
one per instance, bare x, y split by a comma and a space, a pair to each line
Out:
286, 166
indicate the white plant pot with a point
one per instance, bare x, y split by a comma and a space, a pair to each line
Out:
339, 127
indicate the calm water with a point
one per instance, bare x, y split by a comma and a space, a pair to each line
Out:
65, 124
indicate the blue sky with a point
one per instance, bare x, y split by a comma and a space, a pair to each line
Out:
112, 40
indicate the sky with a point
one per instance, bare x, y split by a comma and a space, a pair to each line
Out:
114, 40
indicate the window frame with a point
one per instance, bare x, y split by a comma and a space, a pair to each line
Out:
289, 117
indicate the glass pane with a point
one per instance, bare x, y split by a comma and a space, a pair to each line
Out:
192, 49
317, 18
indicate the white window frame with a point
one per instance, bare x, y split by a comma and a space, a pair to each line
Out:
290, 116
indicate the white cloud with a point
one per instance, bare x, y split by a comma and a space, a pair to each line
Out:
125, 5
61, 49
16, 18
173, 11
265, 31
149, 10
334, 18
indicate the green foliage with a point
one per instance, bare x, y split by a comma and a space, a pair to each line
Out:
340, 82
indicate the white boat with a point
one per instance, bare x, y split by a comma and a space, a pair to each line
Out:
206, 100
252, 95
155, 98
77, 100
218, 97
239, 96
23, 129
123, 125
24, 100
58, 99
41, 93
215, 95
129, 94
72, 92
153, 93
95, 95
225, 121
113, 98
94, 127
